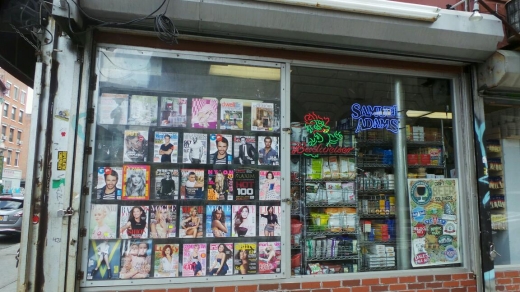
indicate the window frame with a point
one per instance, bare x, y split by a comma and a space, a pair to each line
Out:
23, 97
5, 110
8, 85
8, 157
17, 158
20, 116
13, 113
11, 135
15, 93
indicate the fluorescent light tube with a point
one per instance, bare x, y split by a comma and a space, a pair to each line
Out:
245, 72
429, 114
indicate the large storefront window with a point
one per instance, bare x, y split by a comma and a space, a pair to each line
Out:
186, 177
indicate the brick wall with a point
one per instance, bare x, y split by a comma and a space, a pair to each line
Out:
507, 281
436, 283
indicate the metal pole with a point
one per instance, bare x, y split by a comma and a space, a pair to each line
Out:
401, 174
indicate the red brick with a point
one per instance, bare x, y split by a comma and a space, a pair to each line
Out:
379, 288
301, 290
468, 283
333, 284
441, 290
369, 282
424, 290
499, 275
515, 288
459, 276
225, 289
409, 279
320, 290
460, 289
202, 289
267, 287
179, 290
500, 288
511, 274
156, 290
442, 277
311, 285
397, 287
472, 289
360, 289
342, 289
434, 285
289, 286
388, 280
350, 283
516, 280
424, 278
416, 286
503, 281
450, 284
249, 288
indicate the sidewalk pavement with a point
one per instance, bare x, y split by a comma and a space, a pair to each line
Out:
9, 270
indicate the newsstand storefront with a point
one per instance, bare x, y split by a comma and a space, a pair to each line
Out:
219, 166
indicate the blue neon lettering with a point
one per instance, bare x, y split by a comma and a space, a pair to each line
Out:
375, 117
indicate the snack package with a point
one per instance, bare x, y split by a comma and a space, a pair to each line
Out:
334, 167
326, 174
334, 192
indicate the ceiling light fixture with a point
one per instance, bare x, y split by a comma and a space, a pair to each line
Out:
249, 72
475, 16
429, 114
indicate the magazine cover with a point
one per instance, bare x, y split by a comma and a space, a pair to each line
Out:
191, 222
103, 221
133, 222
103, 259
136, 182
268, 150
194, 259
262, 115
204, 113
173, 112
194, 148
166, 261
163, 221
136, 259
245, 184
220, 259
143, 110
245, 258
270, 221
269, 185
231, 115
192, 184
218, 221
165, 147
110, 144
220, 184
244, 221
113, 109
109, 183
220, 149
136, 146
244, 151
167, 184
269, 257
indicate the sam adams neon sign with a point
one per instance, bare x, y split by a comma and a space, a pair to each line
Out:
375, 117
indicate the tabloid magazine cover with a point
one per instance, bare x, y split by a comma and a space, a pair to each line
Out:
165, 147
220, 259
245, 258
136, 146
109, 183
220, 149
136, 259
136, 182
173, 112
113, 109
270, 221
268, 150
103, 259
167, 184
218, 221
244, 150
231, 115
103, 221
110, 144
163, 221
204, 113
194, 148
191, 222
166, 261
192, 184
133, 222
194, 257
246, 181
262, 115
220, 184
143, 110
269, 184
269, 257
244, 221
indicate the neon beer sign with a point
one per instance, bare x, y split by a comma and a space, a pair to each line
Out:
321, 139
375, 117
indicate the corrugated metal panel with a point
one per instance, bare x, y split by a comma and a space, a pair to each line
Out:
501, 72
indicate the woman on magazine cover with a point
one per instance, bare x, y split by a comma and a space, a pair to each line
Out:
191, 224
103, 252
167, 266
242, 221
242, 258
102, 230
220, 266
218, 222
135, 184
136, 223
195, 261
269, 257
272, 221
270, 185
161, 227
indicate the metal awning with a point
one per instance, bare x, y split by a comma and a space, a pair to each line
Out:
451, 37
